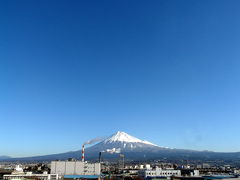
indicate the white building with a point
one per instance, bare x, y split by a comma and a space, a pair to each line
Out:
63, 168
19, 174
205, 166
148, 166
29, 175
159, 172
237, 171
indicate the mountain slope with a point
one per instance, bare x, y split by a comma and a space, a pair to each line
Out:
124, 143
133, 149
124, 137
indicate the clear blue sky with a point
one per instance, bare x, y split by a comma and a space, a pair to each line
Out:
165, 71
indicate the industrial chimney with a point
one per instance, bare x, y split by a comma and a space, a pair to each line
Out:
83, 153
99, 157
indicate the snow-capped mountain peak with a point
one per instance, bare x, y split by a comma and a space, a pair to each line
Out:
126, 138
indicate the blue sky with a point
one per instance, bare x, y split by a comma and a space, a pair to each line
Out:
164, 71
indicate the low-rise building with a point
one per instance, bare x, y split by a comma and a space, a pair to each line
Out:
29, 175
159, 172
69, 168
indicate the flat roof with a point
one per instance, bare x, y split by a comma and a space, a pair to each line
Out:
82, 176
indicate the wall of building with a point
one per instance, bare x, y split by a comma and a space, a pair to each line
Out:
160, 172
75, 168
31, 176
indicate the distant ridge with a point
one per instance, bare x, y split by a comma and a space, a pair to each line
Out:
4, 157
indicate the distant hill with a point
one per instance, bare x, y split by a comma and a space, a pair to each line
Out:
4, 157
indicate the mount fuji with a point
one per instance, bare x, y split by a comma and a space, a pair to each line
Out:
133, 149
121, 142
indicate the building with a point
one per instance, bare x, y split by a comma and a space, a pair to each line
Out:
186, 178
159, 172
190, 172
205, 178
19, 174
29, 175
221, 177
75, 168
206, 166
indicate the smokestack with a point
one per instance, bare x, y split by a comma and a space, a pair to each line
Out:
83, 153
88, 143
100, 154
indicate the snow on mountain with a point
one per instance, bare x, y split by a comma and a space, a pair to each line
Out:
124, 137
123, 142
